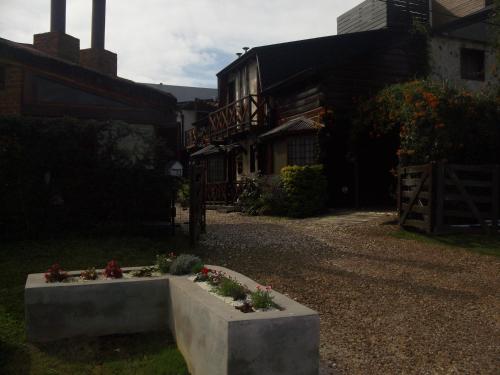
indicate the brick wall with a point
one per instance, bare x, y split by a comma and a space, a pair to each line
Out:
101, 60
11, 92
59, 45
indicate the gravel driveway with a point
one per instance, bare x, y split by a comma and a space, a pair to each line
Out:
387, 306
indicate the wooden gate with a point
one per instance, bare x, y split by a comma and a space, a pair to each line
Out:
441, 197
197, 208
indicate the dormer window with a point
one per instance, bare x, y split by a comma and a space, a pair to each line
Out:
472, 64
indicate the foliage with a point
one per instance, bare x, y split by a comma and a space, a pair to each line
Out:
183, 264
435, 121
262, 298
89, 274
305, 189
144, 272
250, 200
183, 196
163, 262
55, 274
112, 270
231, 288
197, 268
59, 173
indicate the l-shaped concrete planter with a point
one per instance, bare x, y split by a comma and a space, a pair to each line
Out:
214, 338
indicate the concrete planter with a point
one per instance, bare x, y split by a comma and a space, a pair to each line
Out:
214, 338
94, 308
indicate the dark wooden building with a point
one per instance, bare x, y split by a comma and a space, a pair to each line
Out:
54, 78
282, 105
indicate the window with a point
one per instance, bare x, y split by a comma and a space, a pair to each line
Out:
2, 78
302, 150
472, 64
216, 171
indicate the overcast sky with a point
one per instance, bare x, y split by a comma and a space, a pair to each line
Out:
179, 42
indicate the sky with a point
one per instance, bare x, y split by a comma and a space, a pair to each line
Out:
179, 42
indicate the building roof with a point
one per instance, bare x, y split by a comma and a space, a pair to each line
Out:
186, 93
28, 55
298, 125
215, 149
278, 62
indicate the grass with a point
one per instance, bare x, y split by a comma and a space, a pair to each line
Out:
131, 354
479, 243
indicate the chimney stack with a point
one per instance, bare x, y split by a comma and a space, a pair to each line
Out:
98, 23
96, 57
56, 42
58, 16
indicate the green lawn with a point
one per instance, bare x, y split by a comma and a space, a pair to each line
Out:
132, 354
479, 243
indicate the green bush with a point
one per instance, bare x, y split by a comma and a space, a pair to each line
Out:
305, 190
434, 121
262, 298
63, 172
164, 261
183, 264
231, 288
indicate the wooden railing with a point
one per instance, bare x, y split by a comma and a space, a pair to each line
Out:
440, 197
237, 117
223, 192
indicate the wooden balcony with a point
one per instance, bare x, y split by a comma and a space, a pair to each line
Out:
238, 117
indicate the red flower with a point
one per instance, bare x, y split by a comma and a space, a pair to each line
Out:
205, 270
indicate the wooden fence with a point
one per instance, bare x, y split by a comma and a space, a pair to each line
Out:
441, 197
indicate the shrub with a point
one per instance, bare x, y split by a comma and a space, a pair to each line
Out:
163, 262
183, 264
89, 274
61, 172
112, 270
197, 268
305, 190
434, 121
261, 298
144, 272
183, 194
250, 200
231, 288
55, 274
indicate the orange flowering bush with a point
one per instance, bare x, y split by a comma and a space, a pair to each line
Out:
435, 122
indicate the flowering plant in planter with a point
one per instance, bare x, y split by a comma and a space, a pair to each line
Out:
55, 274
261, 298
164, 261
89, 274
113, 271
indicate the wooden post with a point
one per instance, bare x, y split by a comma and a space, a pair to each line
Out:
399, 190
429, 227
439, 197
495, 190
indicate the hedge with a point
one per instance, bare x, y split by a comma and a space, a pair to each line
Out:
61, 173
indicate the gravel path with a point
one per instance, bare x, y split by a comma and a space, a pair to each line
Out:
387, 306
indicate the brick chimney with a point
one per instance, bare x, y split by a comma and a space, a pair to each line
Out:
97, 57
56, 42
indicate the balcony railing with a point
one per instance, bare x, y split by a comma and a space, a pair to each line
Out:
237, 117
